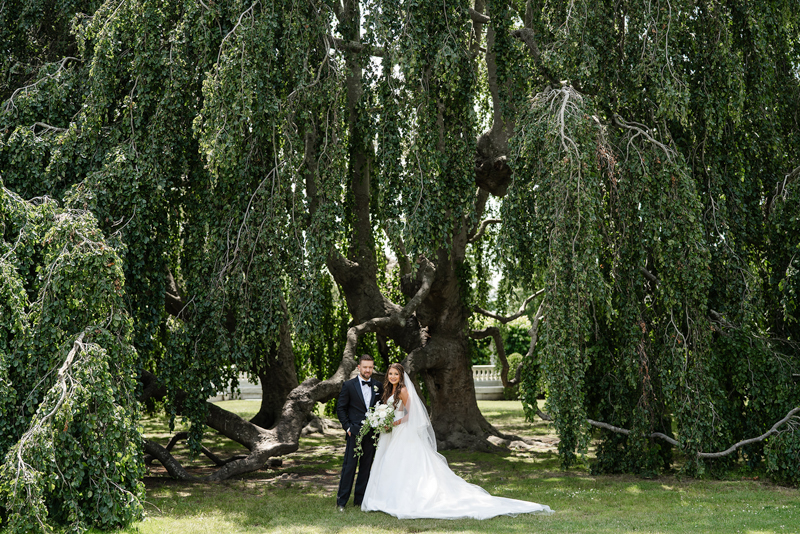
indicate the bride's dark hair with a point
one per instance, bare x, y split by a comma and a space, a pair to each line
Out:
388, 389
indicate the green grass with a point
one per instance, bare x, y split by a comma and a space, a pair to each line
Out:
299, 497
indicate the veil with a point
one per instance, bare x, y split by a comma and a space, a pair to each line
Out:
418, 416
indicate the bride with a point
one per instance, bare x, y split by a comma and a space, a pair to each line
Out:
409, 479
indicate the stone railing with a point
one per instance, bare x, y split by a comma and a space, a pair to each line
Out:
247, 391
485, 373
488, 385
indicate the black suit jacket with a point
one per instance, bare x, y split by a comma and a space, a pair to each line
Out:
350, 408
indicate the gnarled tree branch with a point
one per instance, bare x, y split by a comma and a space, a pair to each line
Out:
482, 229
173, 466
283, 438
494, 332
356, 48
478, 17
526, 35
650, 276
726, 452
517, 315
534, 331
780, 188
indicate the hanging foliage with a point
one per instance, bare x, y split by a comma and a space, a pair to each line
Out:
643, 192
296, 181
70, 441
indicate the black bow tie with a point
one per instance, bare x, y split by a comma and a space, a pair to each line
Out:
364, 383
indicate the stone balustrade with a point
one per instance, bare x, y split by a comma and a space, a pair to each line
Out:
247, 391
488, 386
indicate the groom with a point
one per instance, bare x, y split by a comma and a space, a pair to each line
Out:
357, 396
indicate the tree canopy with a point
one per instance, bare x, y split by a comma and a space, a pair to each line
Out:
196, 189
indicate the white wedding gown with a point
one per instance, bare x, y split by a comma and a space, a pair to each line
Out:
409, 479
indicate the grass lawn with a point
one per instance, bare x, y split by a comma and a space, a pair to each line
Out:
299, 496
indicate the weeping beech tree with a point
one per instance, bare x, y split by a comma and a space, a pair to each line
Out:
632, 166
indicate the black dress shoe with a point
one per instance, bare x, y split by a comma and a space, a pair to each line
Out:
340, 508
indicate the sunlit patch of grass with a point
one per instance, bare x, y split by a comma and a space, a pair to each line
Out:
299, 496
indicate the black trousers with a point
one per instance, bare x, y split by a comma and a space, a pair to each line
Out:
349, 469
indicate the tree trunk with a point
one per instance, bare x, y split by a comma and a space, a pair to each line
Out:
278, 378
276, 384
444, 364
455, 416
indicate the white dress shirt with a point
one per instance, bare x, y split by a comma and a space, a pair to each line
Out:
366, 391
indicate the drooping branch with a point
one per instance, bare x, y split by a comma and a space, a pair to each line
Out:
249, 11
534, 335
482, 229
310, 168
750, 441
356, 47
65, 385
517, 315
478, 17
174, 302
534, 331
46, 127
650, 276
618, 430
780, 188
641, 129
9, 104
526, 35
183, 436
494, 333
726, 452
175, 439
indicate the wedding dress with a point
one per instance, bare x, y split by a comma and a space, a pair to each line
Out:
409, 479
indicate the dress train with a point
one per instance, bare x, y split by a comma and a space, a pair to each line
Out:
409, 479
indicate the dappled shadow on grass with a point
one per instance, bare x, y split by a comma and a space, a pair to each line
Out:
508, 417
248, 507
581, 503
299, 496
323, 449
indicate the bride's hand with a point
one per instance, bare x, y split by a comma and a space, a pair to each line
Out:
395, 423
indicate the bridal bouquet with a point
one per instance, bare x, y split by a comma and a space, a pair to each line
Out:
380, 418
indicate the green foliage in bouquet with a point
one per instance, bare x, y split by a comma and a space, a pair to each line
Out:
378, 421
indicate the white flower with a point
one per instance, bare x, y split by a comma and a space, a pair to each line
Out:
375, 389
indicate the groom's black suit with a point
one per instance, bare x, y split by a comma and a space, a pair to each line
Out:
351, 411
